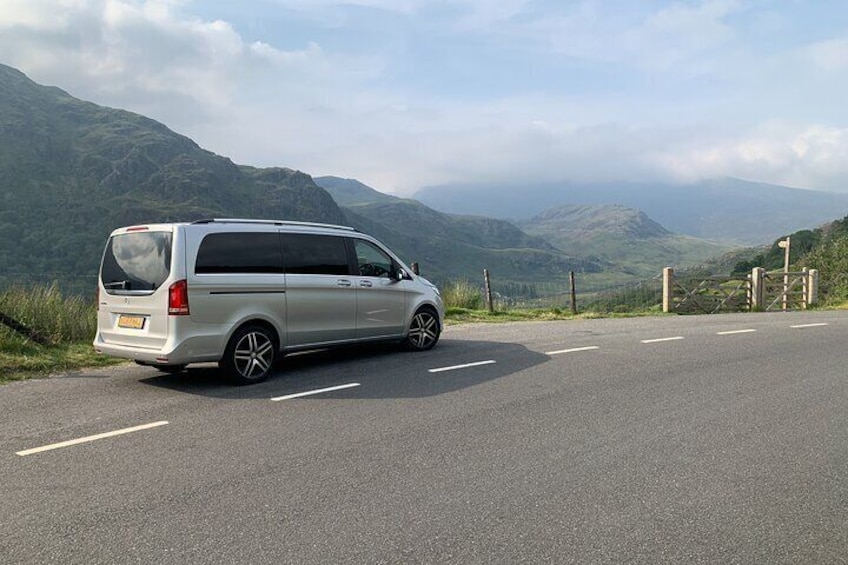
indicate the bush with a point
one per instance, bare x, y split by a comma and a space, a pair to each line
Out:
831, 259
462, 294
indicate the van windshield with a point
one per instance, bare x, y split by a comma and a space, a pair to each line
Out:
136, 261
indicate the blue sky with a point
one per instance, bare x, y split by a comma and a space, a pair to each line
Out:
402, 94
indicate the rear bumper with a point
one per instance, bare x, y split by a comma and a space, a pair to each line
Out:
185, 353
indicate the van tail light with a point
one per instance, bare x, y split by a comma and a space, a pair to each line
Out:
178, 299
97, 298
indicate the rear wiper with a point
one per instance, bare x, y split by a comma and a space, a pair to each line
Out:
123, 285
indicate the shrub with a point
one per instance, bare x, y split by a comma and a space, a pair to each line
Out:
462, 294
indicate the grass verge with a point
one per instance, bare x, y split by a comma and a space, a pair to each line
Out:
21, 360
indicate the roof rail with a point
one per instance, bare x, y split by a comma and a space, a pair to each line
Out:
271, 222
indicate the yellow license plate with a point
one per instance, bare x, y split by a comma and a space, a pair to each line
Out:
133, 322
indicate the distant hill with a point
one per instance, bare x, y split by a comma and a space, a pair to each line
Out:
728, 210
449, 246
351, 192
620, 235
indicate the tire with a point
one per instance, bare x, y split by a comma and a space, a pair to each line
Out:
424, 330
249, 356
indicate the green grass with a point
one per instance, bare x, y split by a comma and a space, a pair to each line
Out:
21, 359
66, 324
456, 316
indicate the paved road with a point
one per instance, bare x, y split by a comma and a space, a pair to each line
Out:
712, 439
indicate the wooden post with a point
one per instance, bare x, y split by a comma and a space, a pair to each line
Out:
573, 293
812, 287
668, 284
757, 289
805, 286
784, 244
489, 303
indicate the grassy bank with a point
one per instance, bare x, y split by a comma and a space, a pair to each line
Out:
53, 333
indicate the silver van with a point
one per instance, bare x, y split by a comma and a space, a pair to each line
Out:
245, 292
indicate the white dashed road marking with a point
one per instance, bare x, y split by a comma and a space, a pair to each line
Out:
732, 332
90, 438
467, 365
311, 392
808, 325
573, 350
675, 338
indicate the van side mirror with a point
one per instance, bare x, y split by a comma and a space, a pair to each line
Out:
400, 274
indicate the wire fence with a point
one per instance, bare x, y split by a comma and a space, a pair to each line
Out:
589, 297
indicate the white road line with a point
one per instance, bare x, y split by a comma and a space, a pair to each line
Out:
455, 367
574, 350
732, 332
809, 325
675, 338
311, 392
90, 438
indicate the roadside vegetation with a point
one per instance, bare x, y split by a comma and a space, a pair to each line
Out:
53, 333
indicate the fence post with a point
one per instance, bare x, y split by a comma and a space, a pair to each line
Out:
805, 287
757, 290
489, 303
812, 296
668, 284
573, 293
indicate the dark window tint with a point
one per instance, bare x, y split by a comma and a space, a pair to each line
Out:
315, 254
136, 261
239, 253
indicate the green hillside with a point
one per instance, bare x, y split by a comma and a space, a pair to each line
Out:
71, 171
450, 247
619, 235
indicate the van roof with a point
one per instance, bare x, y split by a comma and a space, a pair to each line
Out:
272, 222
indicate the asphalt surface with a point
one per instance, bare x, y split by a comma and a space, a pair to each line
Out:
709, 439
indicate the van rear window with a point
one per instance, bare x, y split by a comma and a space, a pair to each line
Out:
136, 261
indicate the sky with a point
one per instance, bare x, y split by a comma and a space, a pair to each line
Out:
402, 94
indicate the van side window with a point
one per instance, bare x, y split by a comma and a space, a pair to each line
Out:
371, 260
308, 254
253, 252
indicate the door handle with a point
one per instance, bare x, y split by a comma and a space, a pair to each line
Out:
343, 282
369, 284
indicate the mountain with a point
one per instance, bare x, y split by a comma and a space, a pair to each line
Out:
350, 192
71, 171
620, 235
450, 246
728, 210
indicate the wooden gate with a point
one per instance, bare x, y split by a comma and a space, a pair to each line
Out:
711, 295
759, 291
